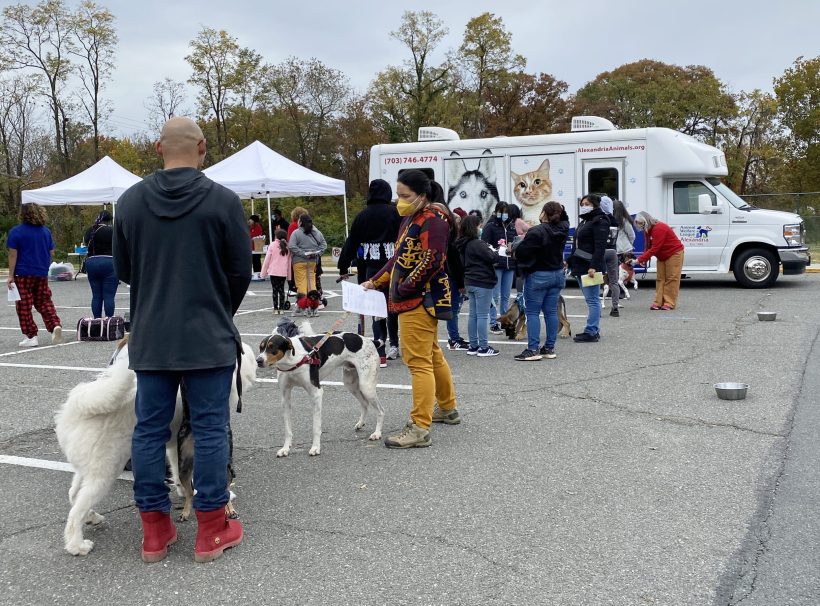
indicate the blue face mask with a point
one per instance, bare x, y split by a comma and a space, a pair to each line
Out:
505, 216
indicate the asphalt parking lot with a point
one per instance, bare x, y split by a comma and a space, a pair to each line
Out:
611, 475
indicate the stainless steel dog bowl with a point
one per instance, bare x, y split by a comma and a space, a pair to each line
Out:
731, 391
766, 316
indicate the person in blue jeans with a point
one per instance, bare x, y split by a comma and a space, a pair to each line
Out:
587, 259
479, 279
455, 272
497, 232
540, 257
99, 265
182, 243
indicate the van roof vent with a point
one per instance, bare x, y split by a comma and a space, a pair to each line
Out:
590, 123
437, 133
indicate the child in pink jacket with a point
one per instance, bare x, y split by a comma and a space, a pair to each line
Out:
277, 265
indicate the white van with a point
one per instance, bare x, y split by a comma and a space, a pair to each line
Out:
670, 175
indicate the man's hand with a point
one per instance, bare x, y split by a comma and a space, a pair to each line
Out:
591, 272
9, 282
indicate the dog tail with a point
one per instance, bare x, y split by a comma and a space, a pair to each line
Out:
114, 388
305, 328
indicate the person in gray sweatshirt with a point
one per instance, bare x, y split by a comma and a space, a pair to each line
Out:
306, 246
181, 242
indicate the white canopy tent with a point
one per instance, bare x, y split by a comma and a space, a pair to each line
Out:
259, 172
102, 183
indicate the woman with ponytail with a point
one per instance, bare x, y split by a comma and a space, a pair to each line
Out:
540, 257
99, 265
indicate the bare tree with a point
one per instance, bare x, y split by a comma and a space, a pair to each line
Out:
41, 39
96, 41
166, 102
19, 159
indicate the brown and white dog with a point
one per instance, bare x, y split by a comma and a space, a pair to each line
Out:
514, 322
358, 359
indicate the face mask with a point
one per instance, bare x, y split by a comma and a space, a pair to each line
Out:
504, 217
406, 208
582, 210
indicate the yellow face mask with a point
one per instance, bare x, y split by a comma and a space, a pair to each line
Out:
406, 208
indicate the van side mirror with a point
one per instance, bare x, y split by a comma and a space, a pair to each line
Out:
705, 206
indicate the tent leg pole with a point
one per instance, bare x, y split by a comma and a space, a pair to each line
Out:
347, 233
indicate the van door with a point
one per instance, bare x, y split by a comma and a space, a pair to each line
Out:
704, 236
604, 176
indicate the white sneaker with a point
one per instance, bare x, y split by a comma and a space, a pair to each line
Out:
57, 335
392, 353
32, 342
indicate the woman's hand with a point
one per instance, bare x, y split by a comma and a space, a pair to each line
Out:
591, 272
9, 282
368, 285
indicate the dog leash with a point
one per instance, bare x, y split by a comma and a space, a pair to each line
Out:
311, 357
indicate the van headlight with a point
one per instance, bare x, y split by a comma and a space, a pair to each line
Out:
793, 234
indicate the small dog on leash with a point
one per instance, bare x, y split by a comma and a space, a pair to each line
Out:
627, 272
289, 354
514, 323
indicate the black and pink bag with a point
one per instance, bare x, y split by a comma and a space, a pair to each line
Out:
101, 329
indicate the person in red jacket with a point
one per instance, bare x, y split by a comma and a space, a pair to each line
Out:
256, 232
664, 245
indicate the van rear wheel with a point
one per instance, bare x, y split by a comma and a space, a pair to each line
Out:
756, 268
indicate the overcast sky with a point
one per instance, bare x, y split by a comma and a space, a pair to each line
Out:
745, 42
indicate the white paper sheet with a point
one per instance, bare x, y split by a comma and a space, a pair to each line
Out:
357, 300
14, 294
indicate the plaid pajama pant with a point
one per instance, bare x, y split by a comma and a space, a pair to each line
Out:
34, 291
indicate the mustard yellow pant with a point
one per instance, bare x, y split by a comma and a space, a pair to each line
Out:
667, 282
304, 274
429, 372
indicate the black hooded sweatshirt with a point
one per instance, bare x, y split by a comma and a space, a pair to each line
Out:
374, 231
181, 241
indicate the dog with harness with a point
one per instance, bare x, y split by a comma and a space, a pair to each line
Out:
303, 361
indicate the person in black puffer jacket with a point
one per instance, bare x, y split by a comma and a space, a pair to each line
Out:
370, 244
587, 259
540, 258
479, 279
500, 231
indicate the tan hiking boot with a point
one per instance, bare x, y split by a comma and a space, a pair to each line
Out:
412, 436
450, 417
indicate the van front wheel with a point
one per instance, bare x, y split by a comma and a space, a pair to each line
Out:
756, 268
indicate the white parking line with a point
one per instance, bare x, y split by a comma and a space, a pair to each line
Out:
397, 386
52, 465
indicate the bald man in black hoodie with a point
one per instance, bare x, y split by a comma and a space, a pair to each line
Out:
370, 245
181, 242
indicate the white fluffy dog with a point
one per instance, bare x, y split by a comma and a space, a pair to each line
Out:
94, 428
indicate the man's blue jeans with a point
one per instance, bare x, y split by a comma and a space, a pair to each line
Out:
207, 393
501, 292
452, 323
478, 321
592, 295
541, 292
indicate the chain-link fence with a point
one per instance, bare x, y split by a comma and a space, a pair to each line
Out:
805, 204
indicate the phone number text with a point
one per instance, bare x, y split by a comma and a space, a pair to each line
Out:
411, 160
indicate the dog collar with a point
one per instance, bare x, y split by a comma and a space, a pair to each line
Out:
313, 360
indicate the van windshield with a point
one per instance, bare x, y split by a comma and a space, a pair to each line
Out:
731, 196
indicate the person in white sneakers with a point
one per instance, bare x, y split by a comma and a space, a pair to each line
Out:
30, 250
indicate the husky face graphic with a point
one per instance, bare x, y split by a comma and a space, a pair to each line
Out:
472, 189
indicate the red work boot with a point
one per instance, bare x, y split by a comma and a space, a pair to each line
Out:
215, 534
158, 531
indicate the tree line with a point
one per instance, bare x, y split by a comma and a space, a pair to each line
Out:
57, 60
